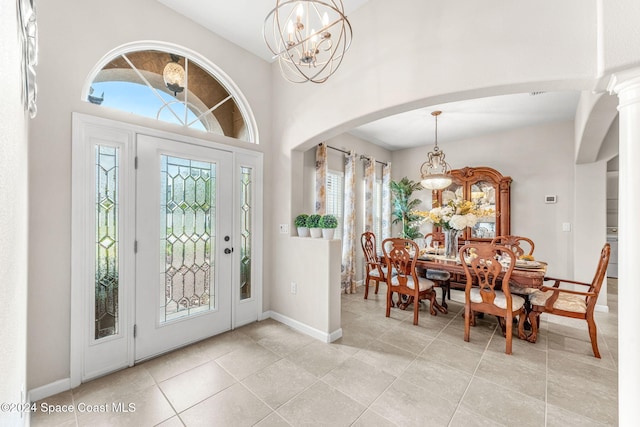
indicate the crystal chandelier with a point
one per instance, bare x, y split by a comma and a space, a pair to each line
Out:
435, 171
309, 38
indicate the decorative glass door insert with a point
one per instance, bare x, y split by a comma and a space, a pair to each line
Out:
187, 211
107, 242
185, 244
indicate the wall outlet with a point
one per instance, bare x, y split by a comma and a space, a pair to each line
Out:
284, 228
566, 226
294, 288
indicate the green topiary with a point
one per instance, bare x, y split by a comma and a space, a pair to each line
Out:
301, 220
328, 221
313, 221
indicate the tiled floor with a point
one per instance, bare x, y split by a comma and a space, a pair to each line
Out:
383, 372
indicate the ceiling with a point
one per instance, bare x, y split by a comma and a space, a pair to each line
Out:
241, 21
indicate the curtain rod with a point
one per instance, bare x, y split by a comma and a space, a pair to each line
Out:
362, 156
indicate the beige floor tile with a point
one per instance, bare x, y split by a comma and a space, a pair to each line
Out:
220, 345
389, 358
318, 358
110, 388
411, 340
201, 382
321, 405
371, 419
466, 418
291, 379
273, 420
57, 410
593, 396
234, 406
443, 380
174, 363
404, 404
247, 360
151, 408
558, 417
503, 405
509, 372
278, 383
456, 356
359, 380
285, 341
171, 422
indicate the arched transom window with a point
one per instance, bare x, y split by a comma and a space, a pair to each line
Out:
173, 87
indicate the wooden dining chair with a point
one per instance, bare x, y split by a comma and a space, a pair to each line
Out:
520, 246
484, 269
375, 270
400, 257
441, 278
570, 303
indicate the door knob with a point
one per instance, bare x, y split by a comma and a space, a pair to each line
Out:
228, 250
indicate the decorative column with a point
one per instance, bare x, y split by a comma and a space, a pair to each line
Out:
626, 85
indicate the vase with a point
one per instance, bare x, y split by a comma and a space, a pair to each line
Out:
328, 233
303, 232
315, 232
451, 242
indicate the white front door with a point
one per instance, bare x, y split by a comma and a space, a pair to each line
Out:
184, 244
188, 203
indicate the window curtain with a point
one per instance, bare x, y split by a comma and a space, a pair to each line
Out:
369, 181
321, 179
349, 232
386, 201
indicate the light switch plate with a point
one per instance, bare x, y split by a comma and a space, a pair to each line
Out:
566, 226
284, 228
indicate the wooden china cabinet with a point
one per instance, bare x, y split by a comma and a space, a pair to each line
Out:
490, 190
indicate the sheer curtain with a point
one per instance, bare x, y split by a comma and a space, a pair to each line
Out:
321, 179
386, 202
369, 182
349, 235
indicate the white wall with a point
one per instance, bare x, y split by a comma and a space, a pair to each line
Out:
13, 220
540, 162
74, 36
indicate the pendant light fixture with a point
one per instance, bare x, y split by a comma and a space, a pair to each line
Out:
173, 75
308, 37
435, 172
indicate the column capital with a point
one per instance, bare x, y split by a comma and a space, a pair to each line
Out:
623, 79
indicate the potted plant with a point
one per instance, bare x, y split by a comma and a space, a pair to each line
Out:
403, 207
301, 225
313, 223
328, 224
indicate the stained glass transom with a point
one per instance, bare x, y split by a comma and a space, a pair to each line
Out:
188, 217
107, 244
246, 186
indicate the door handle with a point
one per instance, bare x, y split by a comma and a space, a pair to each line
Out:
228, 250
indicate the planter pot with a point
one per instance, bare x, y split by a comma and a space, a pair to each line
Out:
303, 232
315, 232
327, 233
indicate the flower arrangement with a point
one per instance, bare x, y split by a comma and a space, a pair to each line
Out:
456, 214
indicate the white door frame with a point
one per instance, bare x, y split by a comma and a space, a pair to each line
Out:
86, 132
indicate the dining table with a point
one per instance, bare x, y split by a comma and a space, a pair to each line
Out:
525, 275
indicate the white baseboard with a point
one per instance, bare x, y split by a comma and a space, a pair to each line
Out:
50, 389
301, 327
601, 308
